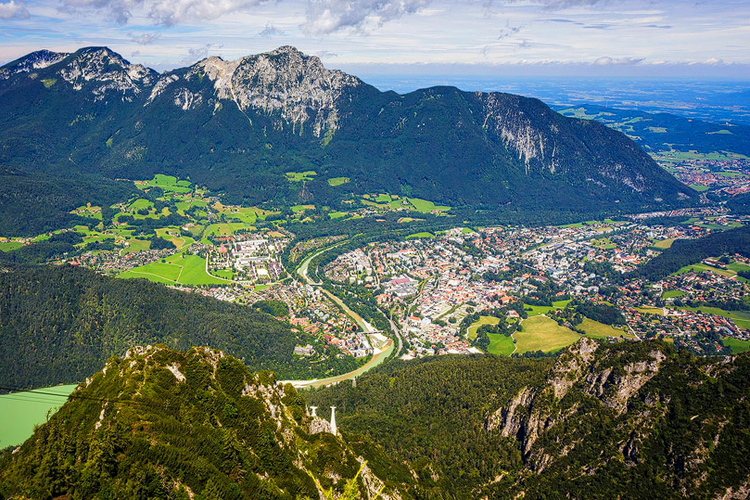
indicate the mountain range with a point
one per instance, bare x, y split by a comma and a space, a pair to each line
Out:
238, 127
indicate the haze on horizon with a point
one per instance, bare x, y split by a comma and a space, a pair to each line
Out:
534, 37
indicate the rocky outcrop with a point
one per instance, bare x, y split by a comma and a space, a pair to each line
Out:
536, 411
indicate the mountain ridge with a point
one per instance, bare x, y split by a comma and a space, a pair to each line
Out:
239, 126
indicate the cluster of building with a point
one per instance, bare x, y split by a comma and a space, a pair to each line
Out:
253, 257
729, 175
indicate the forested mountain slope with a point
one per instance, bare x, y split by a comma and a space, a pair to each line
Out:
197, 425
631, 420
60, 324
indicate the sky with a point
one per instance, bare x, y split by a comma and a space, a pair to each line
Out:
696, 38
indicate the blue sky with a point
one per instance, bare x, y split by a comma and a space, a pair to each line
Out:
610, 37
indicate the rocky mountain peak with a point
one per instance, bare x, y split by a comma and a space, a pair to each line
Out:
105, 72
31, 62
295, 85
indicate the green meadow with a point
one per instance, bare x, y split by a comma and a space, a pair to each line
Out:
20, 412
338, 181
500, 344
301, 176
537, 310
483, 320
541, 333
178, 269
736, 345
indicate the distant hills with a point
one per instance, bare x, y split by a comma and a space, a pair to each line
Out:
664, 132
239, 126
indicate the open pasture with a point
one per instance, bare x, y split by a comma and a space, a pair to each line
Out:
541, 333
178, 269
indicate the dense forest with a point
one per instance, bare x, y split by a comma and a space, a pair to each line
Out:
60, 324
35, 203
627, 420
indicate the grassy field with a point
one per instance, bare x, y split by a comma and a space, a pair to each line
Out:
737, 345
337, 215
426, 207
742, 319
175, 237
600, 330
673, 294
537, 310
178, 269
225, 228
664, 244
134, 245
338, 181
302, 208
541, 333
500, 344
21, 411
301, 176
483, 320
169, 183
650, 310
703, 267
420, 235
9, 246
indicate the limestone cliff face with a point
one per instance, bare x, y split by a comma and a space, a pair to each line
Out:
533, 413
296, 90
606, 408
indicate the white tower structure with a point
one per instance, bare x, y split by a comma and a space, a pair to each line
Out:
314, 410
334, 430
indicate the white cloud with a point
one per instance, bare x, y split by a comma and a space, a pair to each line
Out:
617, 61
145, 38
13, 10
270, 31
328, 16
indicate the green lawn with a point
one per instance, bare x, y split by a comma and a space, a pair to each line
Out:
135, 245
541, 333
737, 345
500, 344
673, 294
704, 267
21, 411
537, 310
650, 310
420, 235
9, 246
170, 183
426, 207
337, 215
664, 244
483, 320
600, 330
338, 181
301, 176
225, 228
181, 269
302, 208
140, 204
